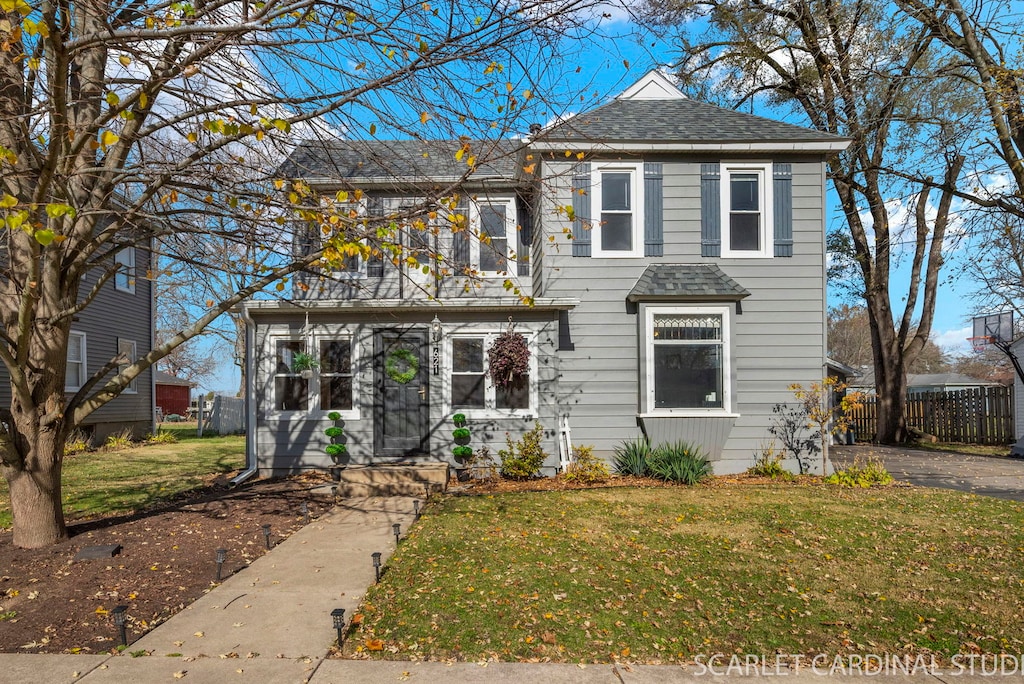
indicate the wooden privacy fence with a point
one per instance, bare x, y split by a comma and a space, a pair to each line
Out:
981, 415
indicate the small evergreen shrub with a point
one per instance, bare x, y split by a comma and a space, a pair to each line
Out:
523, 458
768, 463
868, 474
460, 433
631, 457
679, 462
336, 449
462, 452
586, 467
459, 419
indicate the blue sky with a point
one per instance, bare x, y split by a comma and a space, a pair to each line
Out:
618, 56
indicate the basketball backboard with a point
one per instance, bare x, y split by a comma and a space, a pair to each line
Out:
994, 328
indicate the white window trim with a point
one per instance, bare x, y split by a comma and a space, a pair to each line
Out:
133, 386
511, 236
764, 171
489, 410
727, 399
270, 386
361, 207
124, 260
636, 170
83, 371
314, 382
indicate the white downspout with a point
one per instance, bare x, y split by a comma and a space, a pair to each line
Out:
251, 466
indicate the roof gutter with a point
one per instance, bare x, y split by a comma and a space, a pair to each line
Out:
251, 466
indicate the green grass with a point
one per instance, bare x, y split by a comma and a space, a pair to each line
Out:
972, 449
666, 574
104, 482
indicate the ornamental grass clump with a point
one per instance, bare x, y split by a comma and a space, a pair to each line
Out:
631, 457
679, 462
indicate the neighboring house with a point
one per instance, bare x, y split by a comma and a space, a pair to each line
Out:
172, 394
680, 301
926, 382
117, 323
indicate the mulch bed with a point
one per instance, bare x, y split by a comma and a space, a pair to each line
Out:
51, 603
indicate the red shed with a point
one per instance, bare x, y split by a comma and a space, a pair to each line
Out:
172, 394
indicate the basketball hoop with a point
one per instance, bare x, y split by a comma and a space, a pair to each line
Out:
980, 344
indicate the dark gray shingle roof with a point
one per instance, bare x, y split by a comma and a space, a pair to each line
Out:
401, 160
163, 378
681, 120
686, 282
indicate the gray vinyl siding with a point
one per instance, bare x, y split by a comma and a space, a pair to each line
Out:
402, 282
115, 314
776, 341
295, 441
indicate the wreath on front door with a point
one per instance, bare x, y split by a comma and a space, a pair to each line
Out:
402, 365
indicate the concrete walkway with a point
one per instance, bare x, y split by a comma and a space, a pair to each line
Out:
987, 475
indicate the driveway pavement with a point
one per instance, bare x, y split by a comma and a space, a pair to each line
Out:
987, 475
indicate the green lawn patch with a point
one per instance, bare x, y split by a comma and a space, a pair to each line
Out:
971, 449
666, 574
104, 482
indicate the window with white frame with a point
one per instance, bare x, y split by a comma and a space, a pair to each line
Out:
126, 353
124, 261
74, 374
496, 227
687, 359
471, 388
618, 205
746, 210
336, 377
291, 389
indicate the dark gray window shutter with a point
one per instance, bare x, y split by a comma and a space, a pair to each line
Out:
783, 212
524, 237
460, 243
710, 210
374, 210
304, 240
581, 207
654, 241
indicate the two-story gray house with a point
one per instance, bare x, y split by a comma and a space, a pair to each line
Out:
671, 252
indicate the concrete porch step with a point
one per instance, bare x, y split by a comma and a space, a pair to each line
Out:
392, 479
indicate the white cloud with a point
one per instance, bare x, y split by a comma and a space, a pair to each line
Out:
954, 341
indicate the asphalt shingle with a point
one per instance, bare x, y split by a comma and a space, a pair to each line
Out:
681, 120
686, 282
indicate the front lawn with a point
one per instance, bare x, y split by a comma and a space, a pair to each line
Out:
104, 482
666, 574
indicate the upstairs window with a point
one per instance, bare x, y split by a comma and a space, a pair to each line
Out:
619, 222
494, 234
124, 279
746, 210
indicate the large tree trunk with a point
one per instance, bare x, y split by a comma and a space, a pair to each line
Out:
36, 494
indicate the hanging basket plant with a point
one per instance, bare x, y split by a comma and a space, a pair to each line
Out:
509, 357
402, 365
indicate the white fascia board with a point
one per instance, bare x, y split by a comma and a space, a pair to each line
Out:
764, 147
481, 304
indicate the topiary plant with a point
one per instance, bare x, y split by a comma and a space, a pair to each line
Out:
335, 449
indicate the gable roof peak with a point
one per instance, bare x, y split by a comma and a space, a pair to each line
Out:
654, 85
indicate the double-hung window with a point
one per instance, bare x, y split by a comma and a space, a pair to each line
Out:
687, 359
126, 353
336, 375
124, 278
618, 203
746, 210
291, 389
496, 227
472, 389
74, 374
